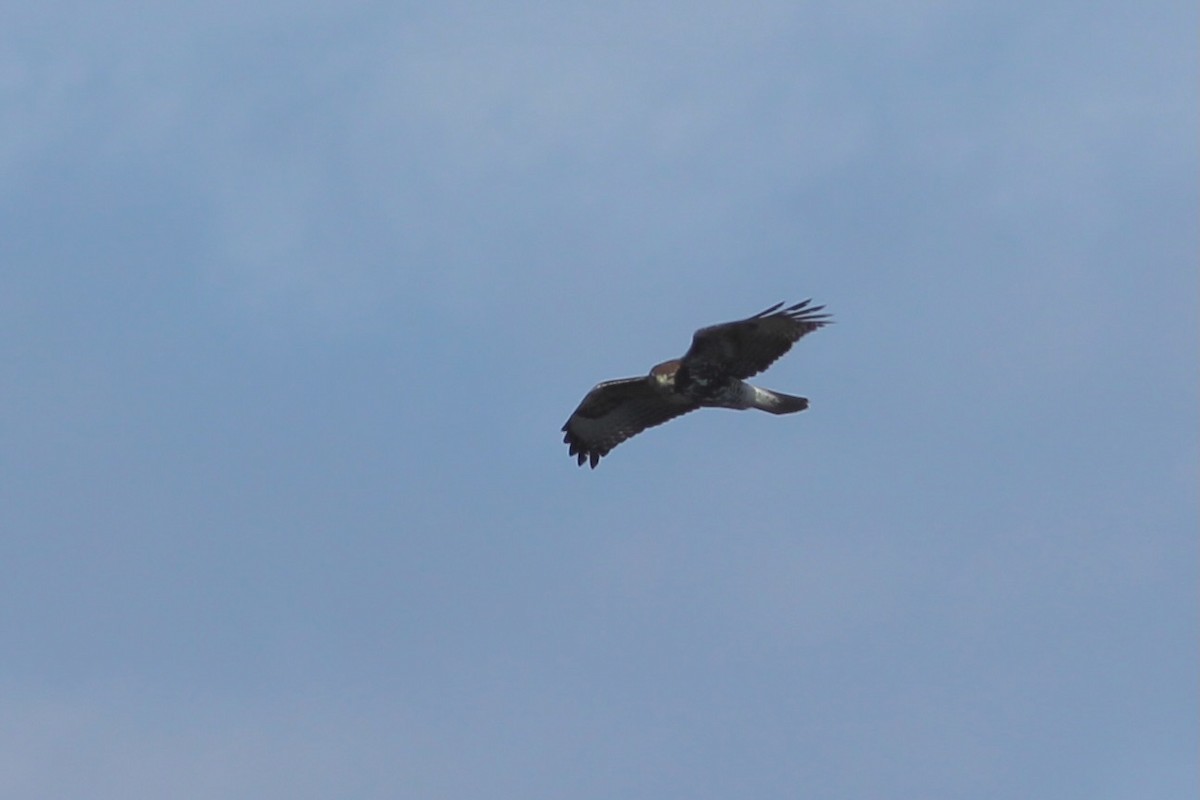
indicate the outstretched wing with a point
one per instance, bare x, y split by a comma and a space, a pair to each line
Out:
615, 410
747, 347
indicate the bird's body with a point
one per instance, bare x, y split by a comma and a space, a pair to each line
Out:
710, 375
720, 391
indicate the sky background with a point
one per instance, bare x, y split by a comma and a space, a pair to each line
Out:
295, 299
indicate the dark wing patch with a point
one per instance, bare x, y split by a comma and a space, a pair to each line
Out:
614, 411
747, 347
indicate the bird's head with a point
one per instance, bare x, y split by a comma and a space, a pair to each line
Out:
663, 375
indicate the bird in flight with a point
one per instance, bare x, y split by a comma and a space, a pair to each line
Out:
711, 374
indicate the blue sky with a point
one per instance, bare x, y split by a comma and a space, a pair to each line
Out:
294, 301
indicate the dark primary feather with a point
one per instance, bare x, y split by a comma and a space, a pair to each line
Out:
747, 347
613, 411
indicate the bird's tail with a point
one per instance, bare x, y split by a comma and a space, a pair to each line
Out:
778, 402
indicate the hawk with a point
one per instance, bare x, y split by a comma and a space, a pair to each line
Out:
711, 374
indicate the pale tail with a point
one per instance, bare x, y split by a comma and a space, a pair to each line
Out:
778, 402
